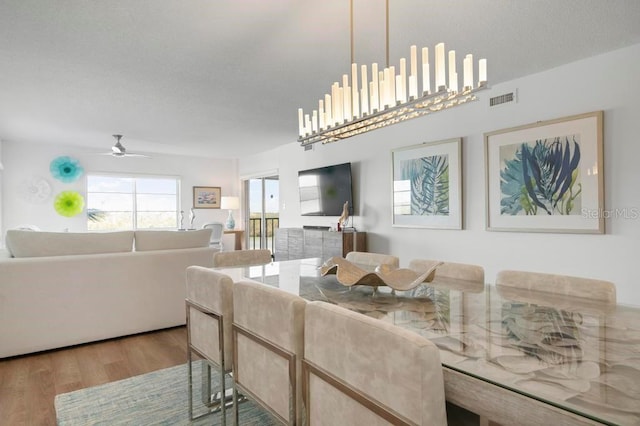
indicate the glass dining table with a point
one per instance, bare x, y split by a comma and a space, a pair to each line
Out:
510, 355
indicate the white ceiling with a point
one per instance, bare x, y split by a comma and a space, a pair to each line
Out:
204, 77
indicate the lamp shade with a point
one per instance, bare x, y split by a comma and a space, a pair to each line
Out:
230, 203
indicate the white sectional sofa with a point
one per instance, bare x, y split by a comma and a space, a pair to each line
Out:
62, 289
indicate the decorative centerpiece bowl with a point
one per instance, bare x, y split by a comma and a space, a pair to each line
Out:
401, 279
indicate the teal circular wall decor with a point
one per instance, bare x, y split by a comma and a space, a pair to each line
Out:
66, 169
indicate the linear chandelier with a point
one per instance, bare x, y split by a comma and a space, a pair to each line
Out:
390, 97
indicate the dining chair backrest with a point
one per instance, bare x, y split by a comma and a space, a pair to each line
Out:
268, 337
212, 291
209, 305
241, 258
584, 288
217, 229
358, 369
371, 260
452, 270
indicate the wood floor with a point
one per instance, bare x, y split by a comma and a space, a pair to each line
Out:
28, 384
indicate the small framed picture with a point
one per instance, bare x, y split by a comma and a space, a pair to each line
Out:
206, 197
546, 176
427, 185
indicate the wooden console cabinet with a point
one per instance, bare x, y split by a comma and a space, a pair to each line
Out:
298, 243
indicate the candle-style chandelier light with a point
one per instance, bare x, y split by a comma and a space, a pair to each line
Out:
389, 97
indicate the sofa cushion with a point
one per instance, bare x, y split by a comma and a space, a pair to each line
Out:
166, 240
40, 244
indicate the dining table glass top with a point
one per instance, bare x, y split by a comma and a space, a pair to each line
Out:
579, 355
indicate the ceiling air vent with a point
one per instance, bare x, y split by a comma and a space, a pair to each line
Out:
503, 99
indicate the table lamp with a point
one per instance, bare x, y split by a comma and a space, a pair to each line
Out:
230, 203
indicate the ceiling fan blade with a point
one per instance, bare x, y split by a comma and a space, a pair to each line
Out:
129, 154
119, 155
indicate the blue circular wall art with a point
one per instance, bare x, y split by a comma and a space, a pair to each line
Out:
66, 169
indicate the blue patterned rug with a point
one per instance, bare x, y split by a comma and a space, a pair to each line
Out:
157, 398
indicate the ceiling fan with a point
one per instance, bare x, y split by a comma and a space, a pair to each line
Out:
118, 150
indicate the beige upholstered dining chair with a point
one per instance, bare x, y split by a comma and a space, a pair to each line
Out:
450, 270
209, 307
241, 258
563, 285
268, 341
360, 370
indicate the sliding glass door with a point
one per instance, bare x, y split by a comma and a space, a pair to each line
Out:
263, 203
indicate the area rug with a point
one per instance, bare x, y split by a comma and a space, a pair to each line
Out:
157, 398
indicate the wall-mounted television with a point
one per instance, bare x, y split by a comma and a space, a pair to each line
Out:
324, 190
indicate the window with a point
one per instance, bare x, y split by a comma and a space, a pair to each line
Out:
262, 209
132, 202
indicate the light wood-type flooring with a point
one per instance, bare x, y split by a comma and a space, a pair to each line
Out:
28, 384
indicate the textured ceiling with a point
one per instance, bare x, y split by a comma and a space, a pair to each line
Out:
205, 77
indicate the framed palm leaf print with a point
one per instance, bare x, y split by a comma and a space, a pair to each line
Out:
427, 185
546, 176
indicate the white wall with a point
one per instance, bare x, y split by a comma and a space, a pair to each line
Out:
23, 161
607, 82
1, 174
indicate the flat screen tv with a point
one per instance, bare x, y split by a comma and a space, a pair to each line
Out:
324, 190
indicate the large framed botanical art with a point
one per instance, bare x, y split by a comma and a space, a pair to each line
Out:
206, 197
427, 185
546, 176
